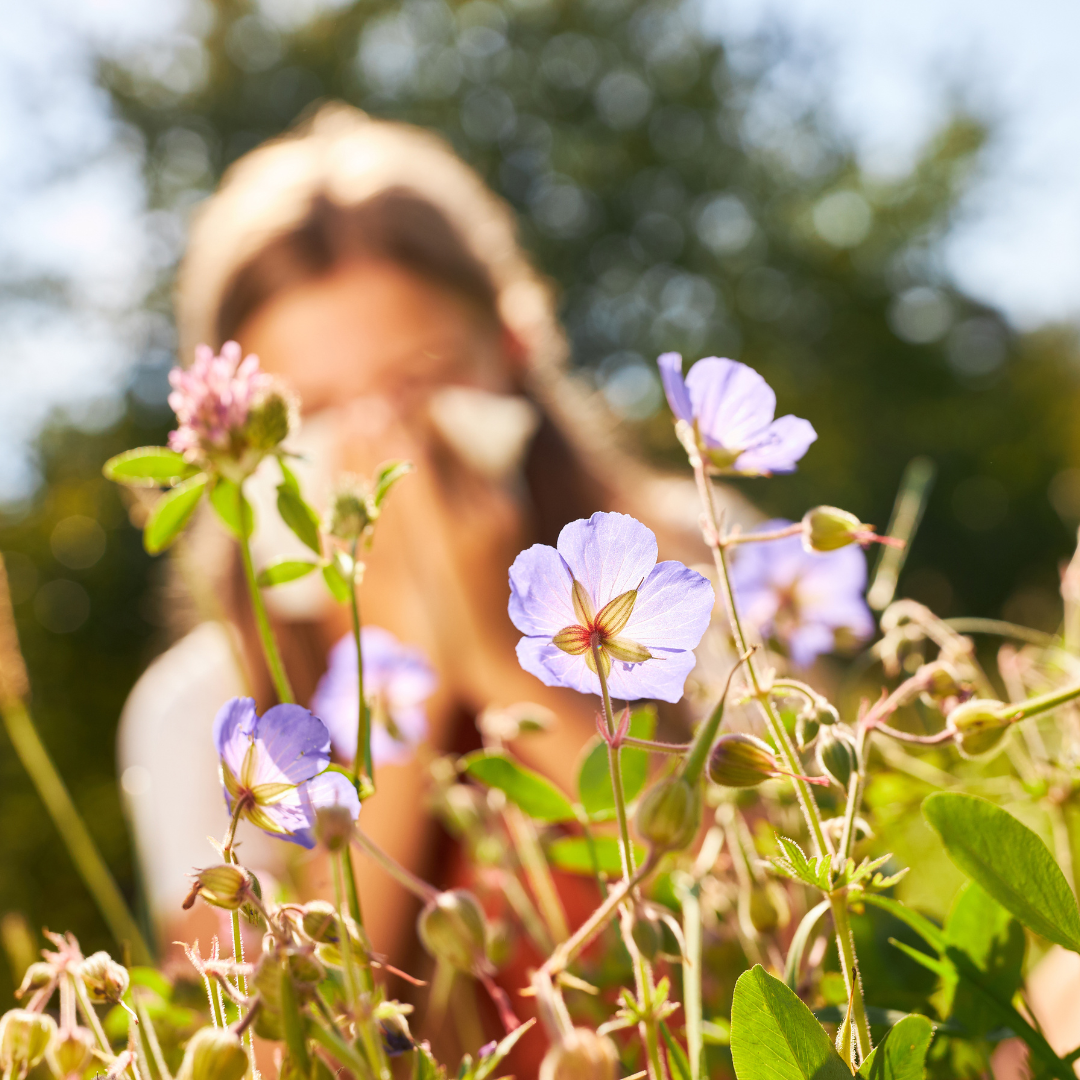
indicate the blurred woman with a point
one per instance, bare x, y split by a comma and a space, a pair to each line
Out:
375, 274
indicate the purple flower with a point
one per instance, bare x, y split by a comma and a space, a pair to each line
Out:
730, 408
273, 765
603, 585
800, 597
213, 398
397, 681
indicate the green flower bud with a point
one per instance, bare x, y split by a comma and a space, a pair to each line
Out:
979, 726
836, 754
70, 1052
669, 814
24, 1038
826, 528
452, 928
269, 422
226, 886
214, 1054
36, 976
320, 921
462, 810
764, 915
267, 984
740, 760
648, 934
349, 515
105, 979
582, 1055
499, 942
334, 827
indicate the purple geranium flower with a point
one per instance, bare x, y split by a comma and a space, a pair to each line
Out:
397, 682
730, 409
602, 585
213, 398
274, 766
800, 597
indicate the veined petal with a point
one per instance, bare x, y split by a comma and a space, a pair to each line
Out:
265, 820
233, 724
628, 651
673, 608
540, 588
778, 447
574, 640
268, 794
663, 677
583, 606
615, 614
553, 667
608, 554
732, 402
670, 364
231, 784
295, 743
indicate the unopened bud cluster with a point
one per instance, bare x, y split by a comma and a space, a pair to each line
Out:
24, 1038
979, 726
105, 979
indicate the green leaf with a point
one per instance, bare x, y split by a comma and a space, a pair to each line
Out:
716, 1032
536, 796
571, 853
594, 779
489, 1062
901, 1055
288, 477
774, 1036
172, 512
277, 573
300, 517
994, 942
1009, 861
678, 1062
233, 508
386, 476
336, 583
148, 466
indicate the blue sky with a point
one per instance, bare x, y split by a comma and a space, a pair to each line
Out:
71, 206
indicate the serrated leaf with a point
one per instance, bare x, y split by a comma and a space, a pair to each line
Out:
172, 512
901, 1055
386, 476
300, 517
571, 853
793, 863
1009, 861
336, 583
538, 797
277, 573
594, 778
233, 508
148, 466
774, 1036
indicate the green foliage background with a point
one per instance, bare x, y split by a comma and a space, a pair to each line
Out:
673, 203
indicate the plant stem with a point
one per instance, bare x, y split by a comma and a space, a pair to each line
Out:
689, 893
850, 967
772, 718
363, 725
1033, 706
262, 623
351, 983
626, 848
774, 534
536, 869
417, 886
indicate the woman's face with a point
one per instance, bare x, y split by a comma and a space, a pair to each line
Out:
371, 328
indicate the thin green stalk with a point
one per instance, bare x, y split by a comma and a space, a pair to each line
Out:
351, 892
365, 981
341, 1050
626, 848
1024, 710
262, 623
237, 937
849, 965
532, 859
363, 724
689, 893
151, 1038
77, 839
776, 726
417, 886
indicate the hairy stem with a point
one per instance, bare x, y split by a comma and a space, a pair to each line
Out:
363, 720
850, 967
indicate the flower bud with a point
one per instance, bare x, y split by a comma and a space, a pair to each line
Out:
349, 515
320, 921
826, 528
462, 810
582, 1055
36, 976
452, 928
214, 1054
24, 1038
979, 726
740, 760
269, 1023
669, 814
226, 886
269, 421
764, 915
836, 754
648, 934
105, 979
70, 1052
334, 826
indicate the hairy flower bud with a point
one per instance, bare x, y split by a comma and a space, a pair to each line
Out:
581, 1055
70, 1052
740, 760
269, 421
334, 826
979, 726
669, 814
826, 528
24, 1038
648, 934
105, 979
226, 886
349, 514
320, 921
214, 1054
452, 928
836, 754
36, 976
762, 909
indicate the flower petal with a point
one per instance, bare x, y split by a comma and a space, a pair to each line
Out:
540, 587
662, 677
670, 364
295, 745
553, 667
732, 402
810, 641
778, 447
233, 726
673, 608
609, 554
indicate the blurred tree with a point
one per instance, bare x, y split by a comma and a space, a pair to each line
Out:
680, 201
